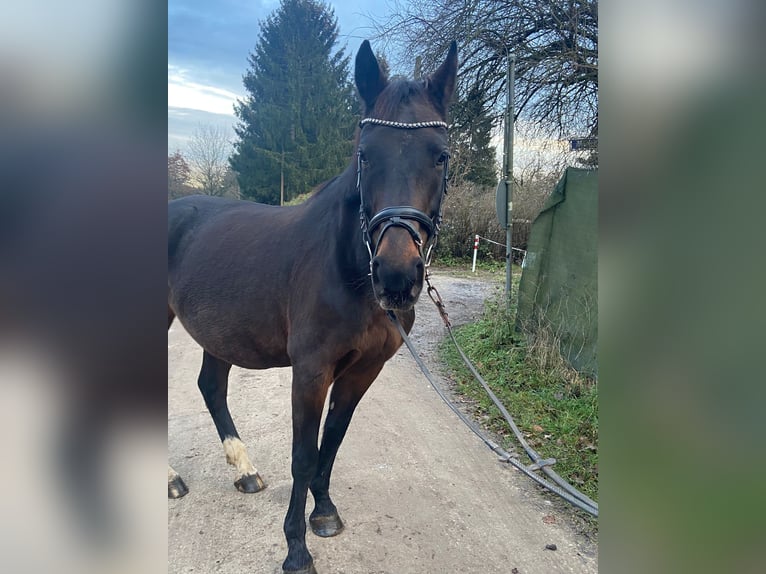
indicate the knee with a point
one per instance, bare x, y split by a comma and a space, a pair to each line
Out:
304, 465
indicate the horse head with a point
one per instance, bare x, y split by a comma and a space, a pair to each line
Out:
402, 159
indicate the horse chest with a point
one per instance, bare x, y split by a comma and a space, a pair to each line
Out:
380, 340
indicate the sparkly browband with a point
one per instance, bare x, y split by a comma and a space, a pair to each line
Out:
412, 126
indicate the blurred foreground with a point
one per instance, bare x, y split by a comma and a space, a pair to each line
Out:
82, 287
82, 337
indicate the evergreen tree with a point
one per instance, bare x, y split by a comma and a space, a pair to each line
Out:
471, 134
297, 122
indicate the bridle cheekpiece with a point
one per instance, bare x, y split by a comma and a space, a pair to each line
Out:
400, 215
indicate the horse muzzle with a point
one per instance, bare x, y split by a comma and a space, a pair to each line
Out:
397, 285
397, 262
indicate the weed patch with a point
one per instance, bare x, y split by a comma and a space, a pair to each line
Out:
555, 407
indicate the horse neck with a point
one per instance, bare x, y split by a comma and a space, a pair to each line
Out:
334, 211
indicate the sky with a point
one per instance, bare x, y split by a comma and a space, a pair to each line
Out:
208, 45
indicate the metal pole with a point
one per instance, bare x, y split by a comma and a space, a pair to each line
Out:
509, 178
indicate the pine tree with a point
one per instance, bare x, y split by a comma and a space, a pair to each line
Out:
297, 122
471, 136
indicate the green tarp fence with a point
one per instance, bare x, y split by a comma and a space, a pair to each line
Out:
559, 281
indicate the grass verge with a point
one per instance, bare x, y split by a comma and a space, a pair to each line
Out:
554, 407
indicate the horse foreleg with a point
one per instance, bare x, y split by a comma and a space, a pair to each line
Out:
213, 384
346, 394
308, 394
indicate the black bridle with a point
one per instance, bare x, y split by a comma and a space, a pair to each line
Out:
400, 215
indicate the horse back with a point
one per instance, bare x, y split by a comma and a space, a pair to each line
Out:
187, 216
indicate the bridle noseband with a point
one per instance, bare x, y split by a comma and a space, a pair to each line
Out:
399, 215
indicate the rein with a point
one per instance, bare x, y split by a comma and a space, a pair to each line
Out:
399, 215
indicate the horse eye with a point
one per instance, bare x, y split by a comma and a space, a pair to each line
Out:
442, 158
362, 157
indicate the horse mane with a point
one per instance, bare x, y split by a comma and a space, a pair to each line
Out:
327, 184
323, 185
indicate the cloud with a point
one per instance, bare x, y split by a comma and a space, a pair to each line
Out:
185, 93
182, 122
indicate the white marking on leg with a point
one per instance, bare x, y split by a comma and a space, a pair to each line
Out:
236, 455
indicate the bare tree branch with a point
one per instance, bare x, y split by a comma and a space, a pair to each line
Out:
555, 43
209, 149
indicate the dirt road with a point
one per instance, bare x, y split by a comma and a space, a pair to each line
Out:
418, 492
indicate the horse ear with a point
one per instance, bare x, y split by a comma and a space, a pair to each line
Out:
441, 84
370, 80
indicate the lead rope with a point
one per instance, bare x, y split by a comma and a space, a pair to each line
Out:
561, 487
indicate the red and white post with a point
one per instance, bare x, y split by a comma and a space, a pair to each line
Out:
475, 252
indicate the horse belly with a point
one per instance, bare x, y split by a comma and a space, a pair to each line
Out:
239, 345
236, 321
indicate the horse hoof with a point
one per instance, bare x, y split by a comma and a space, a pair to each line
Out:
326, 526
177, 487
250, 483
307, 570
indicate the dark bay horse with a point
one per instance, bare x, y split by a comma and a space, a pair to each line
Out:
311, 286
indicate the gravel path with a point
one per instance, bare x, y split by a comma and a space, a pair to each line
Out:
417, 491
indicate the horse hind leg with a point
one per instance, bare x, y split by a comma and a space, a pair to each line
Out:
248, 479
213, 384
176, 486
